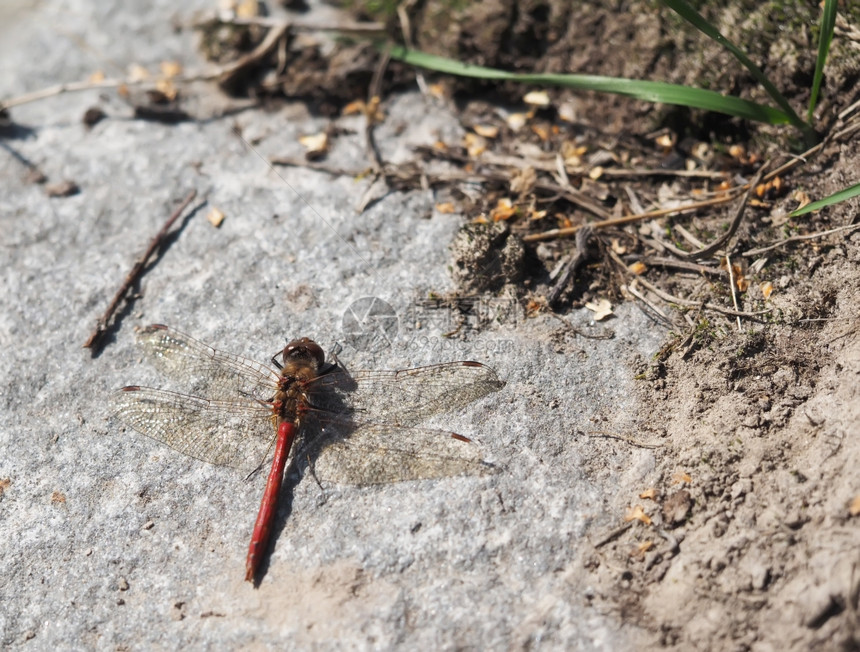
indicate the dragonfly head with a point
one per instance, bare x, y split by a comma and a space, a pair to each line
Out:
304, 349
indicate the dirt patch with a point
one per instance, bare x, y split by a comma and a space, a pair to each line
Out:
746, 537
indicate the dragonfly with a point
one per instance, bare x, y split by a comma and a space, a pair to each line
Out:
352, 427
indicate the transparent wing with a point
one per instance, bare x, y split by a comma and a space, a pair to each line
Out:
204, 429
205, 371
405, 397
381, 454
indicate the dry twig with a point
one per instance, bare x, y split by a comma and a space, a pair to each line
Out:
104, 322
850, 228
570, 268
732, 287
717, 244
629, 440
699, 304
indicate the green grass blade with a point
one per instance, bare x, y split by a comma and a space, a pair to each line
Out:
650, 91
828, 23
698, 21
835, 198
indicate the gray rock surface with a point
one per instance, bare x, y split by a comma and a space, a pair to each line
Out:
113, 541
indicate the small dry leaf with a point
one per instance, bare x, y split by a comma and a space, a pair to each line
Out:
541, 131
97, 77
475, 144
771, 189
567, 112
564, 222
353, 108
5, 483
170, 69
215, 217
58, 497
487, 131
536, 214
569, 150
535, 306
373, 110
642, 548
701, 151
638, 268
617, 247
537, 98
137, 73
481, 219
523, 182
315, 145
504, 210
650, 494
737, 152
167, 89
62, 189
437, 90
595, 173
666, 141
601, 309
854, 506
681, 476
517, 121
248, 9
801, 198
637, 513
446, 207
766, 289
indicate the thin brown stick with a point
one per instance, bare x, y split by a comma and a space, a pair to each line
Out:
134, 274
632, 290
608, 335
312, 165
279, 28
265, 46
732, 288
570, 268
629, 440
374, 92
698, 304
613, 534
69, 87
627, 219
299, 25
717, 244
658, 261
406, 31
800, 238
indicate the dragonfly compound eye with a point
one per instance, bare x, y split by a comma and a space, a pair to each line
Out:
304, 349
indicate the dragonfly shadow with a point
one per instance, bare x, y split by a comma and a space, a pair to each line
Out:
329, 420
